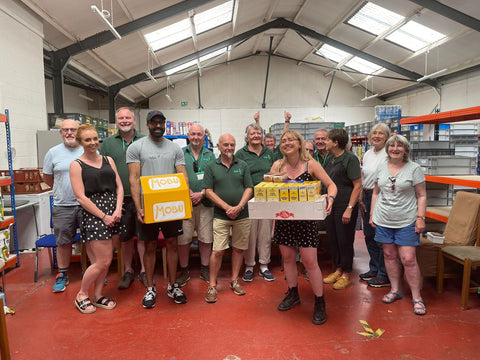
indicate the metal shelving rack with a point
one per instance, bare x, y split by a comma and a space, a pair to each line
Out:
4, 118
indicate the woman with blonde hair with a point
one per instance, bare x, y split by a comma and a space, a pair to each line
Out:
290, 234
99, 191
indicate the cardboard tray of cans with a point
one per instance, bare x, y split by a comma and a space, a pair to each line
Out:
26, 188
289, 210
24, 175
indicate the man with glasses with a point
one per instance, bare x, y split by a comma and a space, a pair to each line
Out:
155, 155
116, 147
320, 139
196, 159
66, 211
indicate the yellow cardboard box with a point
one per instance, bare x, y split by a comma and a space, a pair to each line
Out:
165, 198
260, 192
313, 190
273, 192
293, 191
302, 192
284, 195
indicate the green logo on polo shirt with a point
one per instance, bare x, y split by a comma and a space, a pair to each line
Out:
238, 171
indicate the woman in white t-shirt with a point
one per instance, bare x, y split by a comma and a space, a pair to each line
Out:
399, 202
376, 276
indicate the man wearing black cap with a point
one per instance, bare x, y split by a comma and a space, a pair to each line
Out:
154, 155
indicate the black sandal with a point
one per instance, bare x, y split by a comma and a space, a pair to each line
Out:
83, 305
103, 303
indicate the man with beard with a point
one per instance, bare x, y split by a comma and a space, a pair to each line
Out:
155, 155
66, 211
320, 139
116, 147
229, 186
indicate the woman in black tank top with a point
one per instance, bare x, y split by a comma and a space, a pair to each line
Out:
289, 234
99, 191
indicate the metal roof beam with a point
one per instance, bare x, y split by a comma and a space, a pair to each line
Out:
450, 13
278, 23
106, 36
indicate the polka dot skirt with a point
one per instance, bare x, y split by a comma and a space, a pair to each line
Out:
302, 233
93, 228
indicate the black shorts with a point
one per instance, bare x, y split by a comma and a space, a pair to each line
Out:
129, 219
147, 232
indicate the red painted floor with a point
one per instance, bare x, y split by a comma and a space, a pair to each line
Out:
48, 326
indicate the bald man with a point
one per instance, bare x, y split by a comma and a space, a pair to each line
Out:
196, 159
229, 186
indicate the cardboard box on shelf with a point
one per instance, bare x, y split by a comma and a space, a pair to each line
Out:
165, 198
294, 210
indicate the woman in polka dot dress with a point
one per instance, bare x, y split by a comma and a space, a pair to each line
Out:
99, 191
289, 234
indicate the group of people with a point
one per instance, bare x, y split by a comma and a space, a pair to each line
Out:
100, 191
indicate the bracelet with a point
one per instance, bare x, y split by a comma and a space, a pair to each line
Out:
331, 196
421, 217
287, 121
104, 216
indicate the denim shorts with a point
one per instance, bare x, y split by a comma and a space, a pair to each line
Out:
403, 236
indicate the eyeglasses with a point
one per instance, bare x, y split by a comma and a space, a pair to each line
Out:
288, 140
392, 182
66, 130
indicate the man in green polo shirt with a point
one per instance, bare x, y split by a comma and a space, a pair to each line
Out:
196, 159
116, 147
229, 186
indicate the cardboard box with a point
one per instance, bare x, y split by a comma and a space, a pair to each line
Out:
293, 191
435, 237
302, 192
165, 198
284, 193
260, 192
296, 210
273, 192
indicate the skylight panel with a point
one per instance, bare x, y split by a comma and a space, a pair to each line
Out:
181, 30
332, 53
415, 36
362, 65
194, 62
169, 35
374, 19
214, 17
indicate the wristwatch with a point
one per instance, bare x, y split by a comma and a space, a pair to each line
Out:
350, 206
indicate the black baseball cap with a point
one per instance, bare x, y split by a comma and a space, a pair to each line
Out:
154, 113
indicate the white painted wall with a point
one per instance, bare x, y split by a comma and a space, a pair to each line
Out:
72, 102
22, 88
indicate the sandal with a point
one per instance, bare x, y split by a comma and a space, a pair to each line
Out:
103, 303
419, 307
83, 305
391, 297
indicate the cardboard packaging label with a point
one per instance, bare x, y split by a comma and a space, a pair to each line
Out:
165, 198
260, 192
293, 191
273, 192
284, 195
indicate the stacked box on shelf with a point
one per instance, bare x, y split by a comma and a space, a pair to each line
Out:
448, 165
464, 138
26, 181
421, 149
439, 194
307, 130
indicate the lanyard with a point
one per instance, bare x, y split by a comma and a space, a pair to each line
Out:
323, 162
123, 143
199, 163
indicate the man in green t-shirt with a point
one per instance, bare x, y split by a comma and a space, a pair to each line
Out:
196, 159
229, 186
116, 147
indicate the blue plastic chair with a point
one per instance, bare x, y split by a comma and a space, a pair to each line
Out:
49, 241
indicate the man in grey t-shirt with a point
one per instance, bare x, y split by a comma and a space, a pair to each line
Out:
155, 155
66, 212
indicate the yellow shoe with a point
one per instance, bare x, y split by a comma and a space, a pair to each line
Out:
333, 277
342, 283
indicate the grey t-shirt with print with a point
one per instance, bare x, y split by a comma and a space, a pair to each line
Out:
396, 205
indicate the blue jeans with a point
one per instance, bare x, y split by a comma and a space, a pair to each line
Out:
375, 250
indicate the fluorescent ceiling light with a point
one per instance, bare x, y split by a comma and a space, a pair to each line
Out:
374, 19
369, 97
149, 74
109, 25
193, 62
432, 75
168, 97
181, 30
415, 36
86, 97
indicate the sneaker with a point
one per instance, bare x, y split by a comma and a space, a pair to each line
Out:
61, 282
183, 278
126, 280
342, 283
332, 278
248, 276
237, 288
149, 299
176, 294
211, 296
267, 275
143, 278
367, 276
205, 274
377, 283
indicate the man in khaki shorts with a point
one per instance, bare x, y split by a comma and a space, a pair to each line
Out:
229, 186
196, 159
